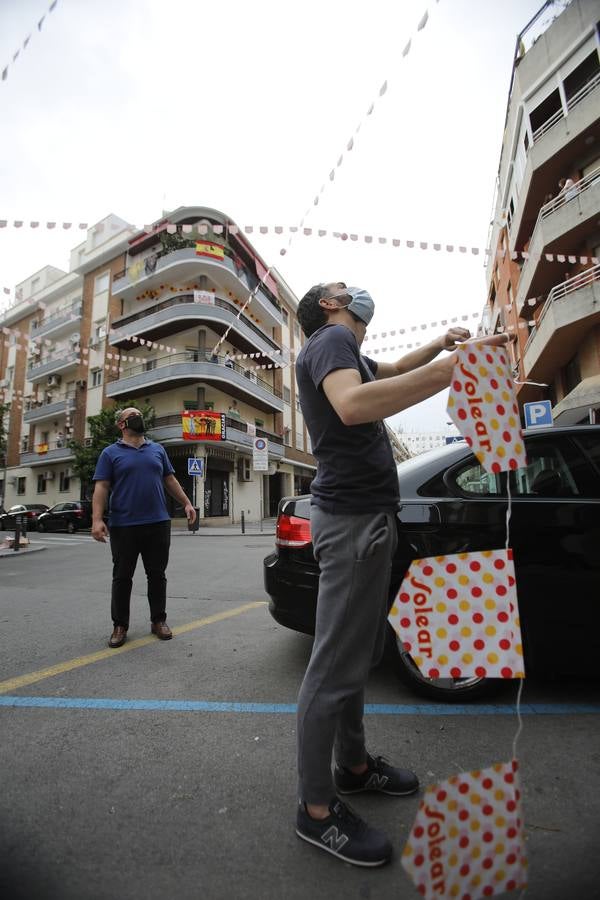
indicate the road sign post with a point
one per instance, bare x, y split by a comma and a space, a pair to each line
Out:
260, 463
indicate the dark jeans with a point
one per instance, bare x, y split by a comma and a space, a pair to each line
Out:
127, 543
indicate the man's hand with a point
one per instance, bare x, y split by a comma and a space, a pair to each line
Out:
190, 513
453, 337
99, 530
492, 340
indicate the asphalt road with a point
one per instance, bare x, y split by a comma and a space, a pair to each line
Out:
196, 798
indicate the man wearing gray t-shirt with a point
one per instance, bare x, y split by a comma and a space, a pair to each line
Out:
354, 497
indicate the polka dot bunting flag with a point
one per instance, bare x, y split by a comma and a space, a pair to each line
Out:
483, 407
458, 616
467, 839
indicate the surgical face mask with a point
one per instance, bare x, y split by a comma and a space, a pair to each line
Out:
135, 423
361, 304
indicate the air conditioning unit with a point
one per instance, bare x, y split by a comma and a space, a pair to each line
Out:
81, 383
74, 339
49, 475
244, 469
53, 380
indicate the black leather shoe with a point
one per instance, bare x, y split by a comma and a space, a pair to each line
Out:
118, 637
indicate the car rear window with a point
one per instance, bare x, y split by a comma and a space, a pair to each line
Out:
555, 469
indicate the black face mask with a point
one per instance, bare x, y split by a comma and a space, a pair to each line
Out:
135, 423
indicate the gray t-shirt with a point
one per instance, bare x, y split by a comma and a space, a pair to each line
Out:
356, 472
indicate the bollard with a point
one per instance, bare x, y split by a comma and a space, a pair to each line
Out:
243, 523
17, 533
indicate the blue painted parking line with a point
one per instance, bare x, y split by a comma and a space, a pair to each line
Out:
385, 709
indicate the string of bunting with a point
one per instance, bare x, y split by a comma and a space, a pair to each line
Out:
369, 239
25, 43
350, 143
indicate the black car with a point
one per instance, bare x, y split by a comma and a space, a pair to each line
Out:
450, 504
68, 516
29, 512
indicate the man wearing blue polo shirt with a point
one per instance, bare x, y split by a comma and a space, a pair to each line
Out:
136, 472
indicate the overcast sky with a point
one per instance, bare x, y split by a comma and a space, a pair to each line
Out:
135, 106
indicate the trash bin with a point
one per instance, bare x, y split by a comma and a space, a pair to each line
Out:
195, 526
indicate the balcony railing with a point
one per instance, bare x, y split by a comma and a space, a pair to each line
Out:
572, 102
186, 252
570, 194
61, 361
41, 453
186, 299
198, 356
46, 409
67, 315
562, 290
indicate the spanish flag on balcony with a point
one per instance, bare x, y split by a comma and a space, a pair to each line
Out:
203, 248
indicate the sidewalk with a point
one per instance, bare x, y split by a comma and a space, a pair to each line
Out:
267, 527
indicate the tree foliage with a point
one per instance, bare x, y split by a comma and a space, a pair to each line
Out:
103, 433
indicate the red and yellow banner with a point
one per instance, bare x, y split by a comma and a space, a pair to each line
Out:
204, 248
203, 425
42, 448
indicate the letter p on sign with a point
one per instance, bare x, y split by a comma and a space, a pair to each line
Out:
538, 414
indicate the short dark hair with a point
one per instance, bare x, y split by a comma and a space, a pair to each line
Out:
310, 315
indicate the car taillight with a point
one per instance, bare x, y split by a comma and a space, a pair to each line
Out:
31, 514
78, 513
292, 531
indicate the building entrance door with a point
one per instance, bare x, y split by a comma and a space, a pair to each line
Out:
216, 494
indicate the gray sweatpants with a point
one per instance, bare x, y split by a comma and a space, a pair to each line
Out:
354, 553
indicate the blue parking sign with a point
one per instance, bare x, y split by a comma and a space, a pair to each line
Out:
538, 414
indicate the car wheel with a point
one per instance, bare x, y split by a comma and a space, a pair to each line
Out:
41, 526
71, 529
446, 690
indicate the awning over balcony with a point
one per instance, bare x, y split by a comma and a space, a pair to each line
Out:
269, 281
574, 407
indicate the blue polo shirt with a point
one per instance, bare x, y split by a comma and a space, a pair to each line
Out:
136, 482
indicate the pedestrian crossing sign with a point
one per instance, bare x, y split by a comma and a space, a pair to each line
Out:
195, 466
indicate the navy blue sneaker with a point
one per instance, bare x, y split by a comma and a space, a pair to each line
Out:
380, 777
345, 835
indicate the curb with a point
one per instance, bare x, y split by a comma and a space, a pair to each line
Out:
13, 554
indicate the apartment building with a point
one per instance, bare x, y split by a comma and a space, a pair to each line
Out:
543, 271
159, 316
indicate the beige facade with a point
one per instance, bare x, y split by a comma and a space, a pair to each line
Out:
544, 272
159, 317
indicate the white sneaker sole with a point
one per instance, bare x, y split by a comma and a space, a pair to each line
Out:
340, 790
353, 862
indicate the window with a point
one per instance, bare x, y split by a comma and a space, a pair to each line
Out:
286, 394
287, 436
299, 441
554, 469
41, 484
297, 330
101, 283
548, 108
582, 75
149, 365
96, 377
64, 481
571, 375
285, 315
21, 482
25, 444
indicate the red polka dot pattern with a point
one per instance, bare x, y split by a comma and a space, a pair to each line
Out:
468, 834
458, 616
490, 426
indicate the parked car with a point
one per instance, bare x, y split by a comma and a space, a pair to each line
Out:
450, 504
30, 511
68, 516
